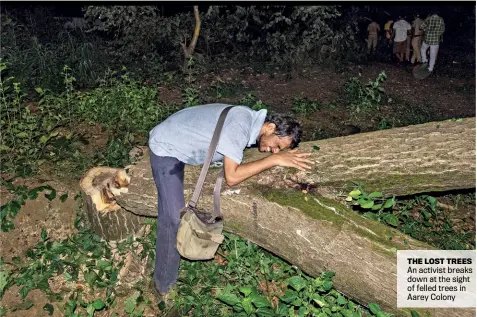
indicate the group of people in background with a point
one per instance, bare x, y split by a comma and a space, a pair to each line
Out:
422, 35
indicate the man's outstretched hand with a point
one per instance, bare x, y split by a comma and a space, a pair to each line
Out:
292, 158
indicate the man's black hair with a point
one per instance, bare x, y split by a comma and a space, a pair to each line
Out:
286, 126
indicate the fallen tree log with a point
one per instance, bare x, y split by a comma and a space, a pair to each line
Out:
319, 232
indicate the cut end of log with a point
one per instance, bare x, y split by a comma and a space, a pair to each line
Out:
102, 183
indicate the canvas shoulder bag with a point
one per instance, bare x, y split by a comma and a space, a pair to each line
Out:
200, 232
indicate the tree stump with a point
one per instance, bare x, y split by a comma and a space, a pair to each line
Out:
105, 217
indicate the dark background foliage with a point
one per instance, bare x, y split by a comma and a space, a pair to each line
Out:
36, 42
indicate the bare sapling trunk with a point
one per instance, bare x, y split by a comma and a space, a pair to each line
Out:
189, 51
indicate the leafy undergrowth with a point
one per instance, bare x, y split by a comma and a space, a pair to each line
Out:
81, 276
423, 217
249, 281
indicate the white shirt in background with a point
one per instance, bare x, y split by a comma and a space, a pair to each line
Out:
401, 27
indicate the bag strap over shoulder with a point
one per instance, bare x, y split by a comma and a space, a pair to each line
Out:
208, 159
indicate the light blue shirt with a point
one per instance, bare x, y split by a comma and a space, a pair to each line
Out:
186, 135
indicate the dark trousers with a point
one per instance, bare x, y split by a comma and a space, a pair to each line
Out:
168, 173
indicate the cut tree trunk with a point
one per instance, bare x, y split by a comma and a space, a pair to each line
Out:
318, 232
105, 217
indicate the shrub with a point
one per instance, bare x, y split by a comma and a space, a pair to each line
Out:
122, 104
362, 98
28, 131
303, 106
253, 102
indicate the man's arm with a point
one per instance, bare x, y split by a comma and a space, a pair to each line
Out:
236, 173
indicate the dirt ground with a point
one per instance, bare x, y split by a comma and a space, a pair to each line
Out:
443, 97
449, 93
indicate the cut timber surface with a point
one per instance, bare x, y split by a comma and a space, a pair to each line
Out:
105, 217
319, 232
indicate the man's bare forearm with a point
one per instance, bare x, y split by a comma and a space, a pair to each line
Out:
241, 172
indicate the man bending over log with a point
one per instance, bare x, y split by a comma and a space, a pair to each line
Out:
184, 138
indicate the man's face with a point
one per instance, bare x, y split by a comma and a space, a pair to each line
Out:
270, 142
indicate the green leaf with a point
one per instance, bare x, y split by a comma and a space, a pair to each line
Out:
90, 277
376, 207
374, 308
316, 148
349, 198
63, 197
102, 264
414, 313
392, 220
265, 312
393, 250
371, 215
366, 204
247, 305
4, 274
381, 314
341, 300
260, 301
327, 285
22, 135
49, 308
246, 290
302, 311
426, 214
44, 139
131, 302
56, 246
318, 299
375, 195
229, 299
355, 193
43, 234
289, 296
389, 203
98, 304
432, 201
297, 282
282, 309
90, 310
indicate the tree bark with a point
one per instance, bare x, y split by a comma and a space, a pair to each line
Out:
318, 232
189, 51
